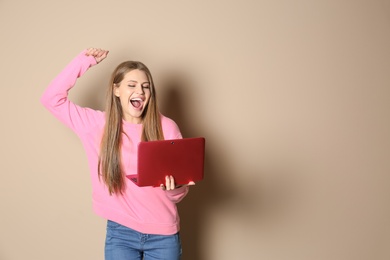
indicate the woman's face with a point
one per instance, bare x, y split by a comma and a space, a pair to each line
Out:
134, 94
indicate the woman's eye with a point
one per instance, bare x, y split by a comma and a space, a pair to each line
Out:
131, 86
145, 86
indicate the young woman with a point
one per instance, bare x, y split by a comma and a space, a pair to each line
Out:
143, 223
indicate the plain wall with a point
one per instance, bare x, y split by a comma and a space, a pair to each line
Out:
293, 98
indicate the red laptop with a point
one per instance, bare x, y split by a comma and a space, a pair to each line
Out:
181, 158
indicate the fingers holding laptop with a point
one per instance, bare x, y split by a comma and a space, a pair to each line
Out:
170, 183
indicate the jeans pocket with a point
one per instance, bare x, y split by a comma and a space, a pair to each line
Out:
112, 224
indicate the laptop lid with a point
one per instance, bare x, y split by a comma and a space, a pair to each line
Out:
181, 158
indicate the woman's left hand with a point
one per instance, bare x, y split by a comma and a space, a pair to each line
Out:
170, 183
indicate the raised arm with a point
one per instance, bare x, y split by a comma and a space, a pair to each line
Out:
55, 97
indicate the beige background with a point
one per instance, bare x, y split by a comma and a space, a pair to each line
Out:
292, 96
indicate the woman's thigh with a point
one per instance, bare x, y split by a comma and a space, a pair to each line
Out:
125, 243
161, 247
122, 243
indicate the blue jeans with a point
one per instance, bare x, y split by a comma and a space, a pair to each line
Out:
123, 243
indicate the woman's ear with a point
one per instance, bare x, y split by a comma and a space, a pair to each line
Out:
115, 90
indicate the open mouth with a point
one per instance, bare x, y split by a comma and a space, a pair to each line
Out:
136, 102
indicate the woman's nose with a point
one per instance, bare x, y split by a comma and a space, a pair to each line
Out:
139, 89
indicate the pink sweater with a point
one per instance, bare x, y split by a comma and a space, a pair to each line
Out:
147, 210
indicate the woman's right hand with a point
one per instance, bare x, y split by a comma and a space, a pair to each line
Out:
97, 53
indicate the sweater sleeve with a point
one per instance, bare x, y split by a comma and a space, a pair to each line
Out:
55, 97
178, 194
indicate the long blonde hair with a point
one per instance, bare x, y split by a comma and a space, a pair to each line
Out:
109, 165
